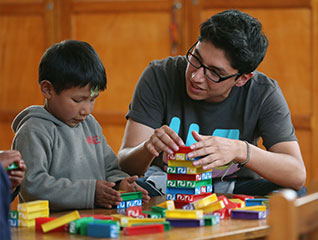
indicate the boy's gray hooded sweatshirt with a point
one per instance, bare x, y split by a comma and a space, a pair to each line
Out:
63, 162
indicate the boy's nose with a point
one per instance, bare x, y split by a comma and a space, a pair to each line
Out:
85, 110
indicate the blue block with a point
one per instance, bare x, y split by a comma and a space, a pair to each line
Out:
171, 196
102, 230
194, 191
133, 203
13, 222
256, 201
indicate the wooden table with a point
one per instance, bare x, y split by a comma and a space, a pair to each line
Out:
227, 229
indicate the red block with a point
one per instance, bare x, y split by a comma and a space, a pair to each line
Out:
183, 149
143, 229
98, 216
179, 205
242, 196
189, 198
41, 220
187, 177
224, 199
134, 211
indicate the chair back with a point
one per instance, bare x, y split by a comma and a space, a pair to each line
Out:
292, 218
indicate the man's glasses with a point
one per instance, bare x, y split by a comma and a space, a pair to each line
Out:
209, 73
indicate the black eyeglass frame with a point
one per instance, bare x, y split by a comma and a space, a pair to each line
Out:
221, 79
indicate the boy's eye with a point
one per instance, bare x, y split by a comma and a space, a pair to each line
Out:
76, 100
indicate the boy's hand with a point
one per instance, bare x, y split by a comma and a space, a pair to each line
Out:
129, 185
16, 176
105, 195
9, 157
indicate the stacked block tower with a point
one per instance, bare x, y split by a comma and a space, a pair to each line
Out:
185, 182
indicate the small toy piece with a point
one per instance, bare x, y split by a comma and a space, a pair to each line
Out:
102, 230
184, 214
213, 207
75, 226
48, 226
34, 214
33, 206
240, 202
134, 211
145, 220
186, 222
256, 201
242, 196
13, 219
169, 204
143, 229
205, 201
243, 214
160, 210
211, 220
122, 219
41, 220
12, 166
151, 214
126, 196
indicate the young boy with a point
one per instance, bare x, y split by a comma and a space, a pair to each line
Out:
68, 159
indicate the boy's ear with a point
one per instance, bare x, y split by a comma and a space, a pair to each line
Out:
243, 79
46, 89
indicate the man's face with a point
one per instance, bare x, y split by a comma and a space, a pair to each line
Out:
199, 87
73, 105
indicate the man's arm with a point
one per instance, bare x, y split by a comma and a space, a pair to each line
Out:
281, 164
141, 144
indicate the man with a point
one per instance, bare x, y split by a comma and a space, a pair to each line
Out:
216, 89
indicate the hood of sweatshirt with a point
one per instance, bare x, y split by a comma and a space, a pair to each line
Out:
33, 112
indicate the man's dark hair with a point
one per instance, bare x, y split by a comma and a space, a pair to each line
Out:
72, 63
239, 35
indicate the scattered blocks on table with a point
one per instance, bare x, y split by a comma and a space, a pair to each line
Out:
41, 220
29, 211
143, 229
48, 226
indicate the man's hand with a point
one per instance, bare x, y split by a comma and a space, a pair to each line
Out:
129, 185
105, 195
215, 151
163, 139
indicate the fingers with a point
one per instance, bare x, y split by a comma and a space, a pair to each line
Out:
105, 195
9, 157
164, 139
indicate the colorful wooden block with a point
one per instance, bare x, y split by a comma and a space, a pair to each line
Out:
240, 202
126, 196
133, 211
188, 184
143, 229
97, 216
75, 226
122, 219
34, 214
145, 220
33, 206
205, 201
169, 204
152, 214
242, 196
13, 219
102, 230
189, 191
188, 198
252, 215
210, 220
256, 201
186, 222
48, 226
188, 177
26, 223
253, 208
12, 166
160, 210
213, 207
40, 221
184, 214
175, 163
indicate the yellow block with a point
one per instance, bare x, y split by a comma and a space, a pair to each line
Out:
48, 226
26, 223
213, 207
184, 214
205, 201
175, 163
145, 220
122, 219
236, 200
34, 215
33, 206
253, 208
169, 204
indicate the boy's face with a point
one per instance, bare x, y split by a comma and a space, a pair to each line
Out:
73, 105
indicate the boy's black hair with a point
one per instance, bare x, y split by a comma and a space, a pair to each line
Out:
239, 35
72, 63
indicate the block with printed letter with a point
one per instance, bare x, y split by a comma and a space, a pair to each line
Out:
102, 230
75, 226
33, 206
13, 219
212, 207
169, 204
134, 211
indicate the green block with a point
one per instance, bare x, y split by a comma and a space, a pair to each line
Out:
160, 210
211, 220
75, 226
153, 214
13, 166
13, 215
131, 196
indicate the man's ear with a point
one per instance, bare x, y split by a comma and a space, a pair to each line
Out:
243, 79
47, 89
